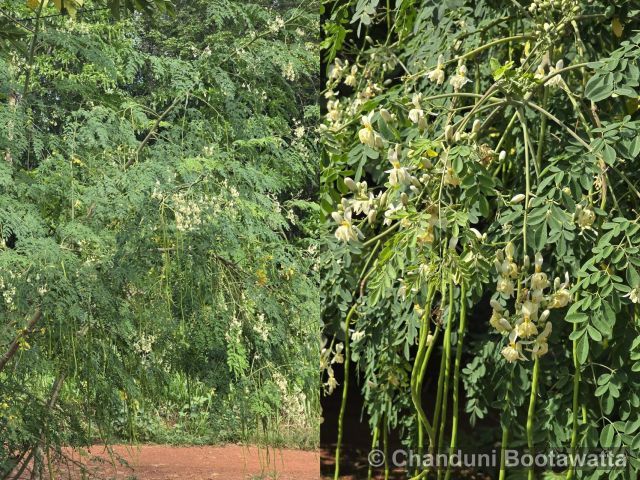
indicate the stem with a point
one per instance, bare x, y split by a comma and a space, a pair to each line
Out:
531, 412
505, 430
527, 179
503, 447
374, 443
345, 388
32, 49
385, 441
543, 130
456, 375
576, 394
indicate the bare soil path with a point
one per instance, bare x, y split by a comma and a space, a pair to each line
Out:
165, 462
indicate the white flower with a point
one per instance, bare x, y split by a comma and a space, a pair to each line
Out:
513, 351
351, 78
555, 81
634, 295
540, 346
437, 74
539, 281
460, 79
416, 114
451, 178
367, 134
398, 175
346, 231
357, 336
336, 70
277, 24
526, 328
586, 217
560, 299
529, 310
505, 286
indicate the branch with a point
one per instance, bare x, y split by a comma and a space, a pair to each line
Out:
15, 345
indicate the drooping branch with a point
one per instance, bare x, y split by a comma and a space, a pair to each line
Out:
15, 345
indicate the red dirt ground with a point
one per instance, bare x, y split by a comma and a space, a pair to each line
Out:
229, 462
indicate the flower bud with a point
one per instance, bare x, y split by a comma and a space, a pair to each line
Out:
476, 233
502, 156
544, 316
351, 185
448, 133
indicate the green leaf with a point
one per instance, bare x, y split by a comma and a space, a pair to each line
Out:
599, 87
582, 349
576, 318
594, 333
609, 155
606, 435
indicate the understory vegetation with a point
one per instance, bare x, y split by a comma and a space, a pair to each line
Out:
158, 225
480, 263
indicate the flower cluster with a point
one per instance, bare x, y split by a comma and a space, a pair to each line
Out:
528, 326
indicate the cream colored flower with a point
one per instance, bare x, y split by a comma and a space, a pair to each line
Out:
529, 310
367, 134
451, 178
539, 281
560, 299
634, 295
416, 114
505, 286
346, 231
398, 175
513, 351
585, 217
350, 80
555, 81
460, 79
526, 328
437, 74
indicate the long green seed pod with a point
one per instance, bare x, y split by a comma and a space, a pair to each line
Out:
447, 372
456, 374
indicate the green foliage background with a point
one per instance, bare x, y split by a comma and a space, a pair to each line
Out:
156, 206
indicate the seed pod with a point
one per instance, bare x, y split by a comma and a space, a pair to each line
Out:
476, 126
517, 198
502, 155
